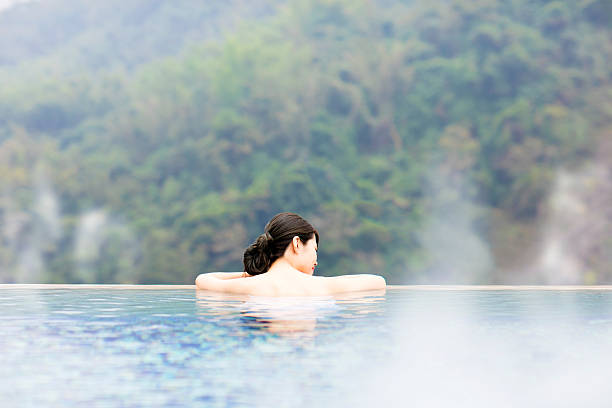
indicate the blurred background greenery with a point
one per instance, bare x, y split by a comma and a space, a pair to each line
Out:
457, 141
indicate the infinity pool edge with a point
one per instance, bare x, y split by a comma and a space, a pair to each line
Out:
389, 287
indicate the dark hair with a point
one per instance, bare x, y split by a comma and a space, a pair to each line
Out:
271, 245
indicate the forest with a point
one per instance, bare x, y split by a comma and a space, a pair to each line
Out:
457, 141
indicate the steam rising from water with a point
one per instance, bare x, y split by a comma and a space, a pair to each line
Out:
104, 248
7, 4
89, 235
457, 253
28, 233
577, 228
573, 243
102, 243
446, 354
46, 208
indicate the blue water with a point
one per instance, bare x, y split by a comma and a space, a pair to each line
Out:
129, 348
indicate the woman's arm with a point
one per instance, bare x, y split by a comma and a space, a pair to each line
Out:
355, 283
225, 275
222, 281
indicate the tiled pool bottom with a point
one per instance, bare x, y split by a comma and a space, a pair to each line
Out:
178, 347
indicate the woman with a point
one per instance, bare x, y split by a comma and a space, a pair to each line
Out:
281, 263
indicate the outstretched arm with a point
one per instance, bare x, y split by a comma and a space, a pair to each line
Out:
355, 283
219, 281
225, 275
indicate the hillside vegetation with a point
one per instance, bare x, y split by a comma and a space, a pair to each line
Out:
148, 143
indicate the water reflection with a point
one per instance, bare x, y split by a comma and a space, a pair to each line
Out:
288, 316
357, 304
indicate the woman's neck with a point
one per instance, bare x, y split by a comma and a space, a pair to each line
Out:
281, 265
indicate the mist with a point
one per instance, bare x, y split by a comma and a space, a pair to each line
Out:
450, 349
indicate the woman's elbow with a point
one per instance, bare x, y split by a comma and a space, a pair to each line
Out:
201, 281
379, 282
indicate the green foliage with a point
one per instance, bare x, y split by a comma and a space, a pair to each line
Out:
339, 110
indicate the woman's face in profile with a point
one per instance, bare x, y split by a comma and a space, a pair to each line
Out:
307, 256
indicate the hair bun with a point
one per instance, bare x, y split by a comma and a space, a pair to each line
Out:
256, 258
263, 242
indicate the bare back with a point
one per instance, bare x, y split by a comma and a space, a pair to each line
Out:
290, 282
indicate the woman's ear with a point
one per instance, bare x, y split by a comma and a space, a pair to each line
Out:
295, 242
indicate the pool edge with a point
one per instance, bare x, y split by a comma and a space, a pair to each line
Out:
389, 287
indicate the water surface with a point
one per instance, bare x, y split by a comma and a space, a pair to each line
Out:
104, 347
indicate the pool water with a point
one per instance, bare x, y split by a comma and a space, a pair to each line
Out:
105, 347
